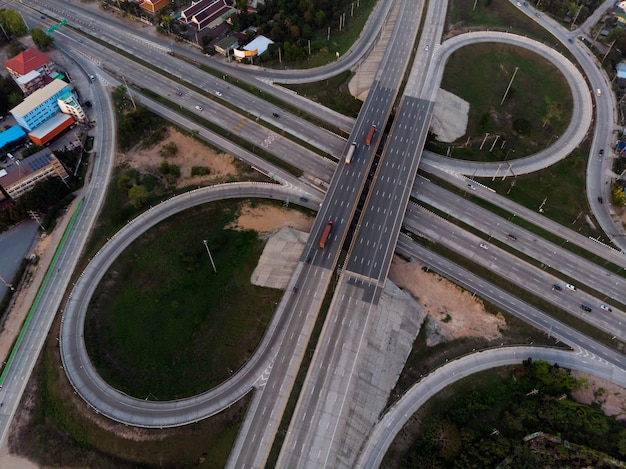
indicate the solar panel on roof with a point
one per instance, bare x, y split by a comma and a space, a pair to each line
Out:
39, 162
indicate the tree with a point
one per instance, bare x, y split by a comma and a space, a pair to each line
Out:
619, 199
42, 40
553, 111
169, 149
12, 23
137, 195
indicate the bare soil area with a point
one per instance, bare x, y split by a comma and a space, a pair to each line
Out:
610, 396
454, 312
270, 218
190, 153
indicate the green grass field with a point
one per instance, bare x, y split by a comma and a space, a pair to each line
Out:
522, 123
162, 325
501, 15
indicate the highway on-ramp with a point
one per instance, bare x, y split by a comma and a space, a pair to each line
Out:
123, 408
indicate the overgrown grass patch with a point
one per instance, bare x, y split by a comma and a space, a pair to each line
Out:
163, 324
536, 110
559, 190
63, 430
501, 15
333, 93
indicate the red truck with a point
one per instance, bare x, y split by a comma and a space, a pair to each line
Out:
370, 135
326, 234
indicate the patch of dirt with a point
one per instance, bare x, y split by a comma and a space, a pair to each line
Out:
610, 396
454, 312
190, 153
270, 218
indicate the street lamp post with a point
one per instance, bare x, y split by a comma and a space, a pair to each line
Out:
210, 257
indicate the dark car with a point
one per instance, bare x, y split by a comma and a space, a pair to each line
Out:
512, 236
296, 288
601, 151
276, 115
586, 308
557, 287
600, 199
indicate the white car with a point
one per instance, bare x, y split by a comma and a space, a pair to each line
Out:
472, 186
427, 47
569, 286
606, 308
484, 245
198, 108
218, 93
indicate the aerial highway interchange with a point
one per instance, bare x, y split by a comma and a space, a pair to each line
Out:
370, 231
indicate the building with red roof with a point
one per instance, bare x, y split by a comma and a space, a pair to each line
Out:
31, 70
152, 6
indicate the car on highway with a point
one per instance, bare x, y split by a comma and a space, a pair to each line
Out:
557, 287
512, 236
569, 286
484, 245
585, 308
296, 288
472, 186
601, 154
427, 47
606, 308
198, 108
92, 78
276, 115
218, 93
600, 199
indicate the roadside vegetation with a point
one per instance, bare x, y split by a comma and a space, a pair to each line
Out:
522, 416
333, 93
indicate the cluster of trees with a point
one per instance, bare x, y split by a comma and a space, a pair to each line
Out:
291, 24
48, 197
10, 95
485, 426
562, 9
139, 125
12, 25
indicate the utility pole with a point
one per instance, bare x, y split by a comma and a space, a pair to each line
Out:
607, 52
576, 17
509, 87
210, 257
34, 216
129, 93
